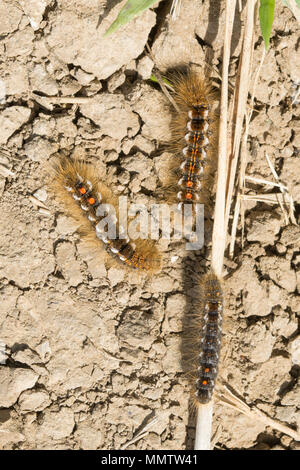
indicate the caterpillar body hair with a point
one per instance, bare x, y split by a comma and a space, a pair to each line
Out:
77, 186
194, 137
211, 307
202, 336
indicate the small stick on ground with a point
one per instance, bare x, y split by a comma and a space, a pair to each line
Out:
226, 397
142, 433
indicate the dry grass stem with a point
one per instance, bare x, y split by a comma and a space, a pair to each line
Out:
146, 429
36, 202
226, 397
49, 101
161, 82
242, 87
287, 198
205, 412
263, 181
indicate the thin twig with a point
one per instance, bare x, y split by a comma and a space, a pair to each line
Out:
161, 82
272, 198
49, 101
284, 192
263, 181
175, 9
36, 202
141, 434
229, 399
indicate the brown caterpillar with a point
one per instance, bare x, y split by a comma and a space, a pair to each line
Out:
212, 310
83, 195
194, 136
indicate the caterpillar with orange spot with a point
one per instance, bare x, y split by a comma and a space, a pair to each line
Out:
193, 139
202, 338
212, 310
89, 200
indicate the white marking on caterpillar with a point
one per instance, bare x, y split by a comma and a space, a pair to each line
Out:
89, 185
191, 129
210, 341
74, 178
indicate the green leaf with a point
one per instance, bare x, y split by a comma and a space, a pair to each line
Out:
266, 16
129, 11
154, 79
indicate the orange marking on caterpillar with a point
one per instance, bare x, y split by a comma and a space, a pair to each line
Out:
194, 97
73, 178
212, 310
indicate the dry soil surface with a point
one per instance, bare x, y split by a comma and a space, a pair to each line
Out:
90, 353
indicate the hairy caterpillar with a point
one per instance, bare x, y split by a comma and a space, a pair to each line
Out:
84, 196
212, 310
202, 337
194, 136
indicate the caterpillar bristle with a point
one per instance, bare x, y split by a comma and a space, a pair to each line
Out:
203, 339
193, 140
78, 188
212, 310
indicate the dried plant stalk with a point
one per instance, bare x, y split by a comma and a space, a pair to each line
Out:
205, 412
242, 86
226, 397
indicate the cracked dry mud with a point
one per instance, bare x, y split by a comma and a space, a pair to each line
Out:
89, 353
